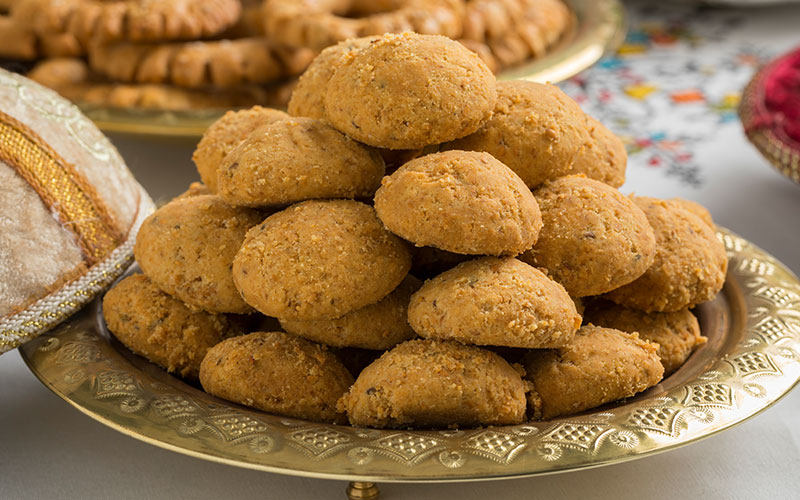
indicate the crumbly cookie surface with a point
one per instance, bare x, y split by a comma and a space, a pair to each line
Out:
594, 238
491, 301
224, 135
278, 373
161, 328
187, 248
689, 267
298, 159
460, 201
319, 260
598, 366
408, 91
427, 383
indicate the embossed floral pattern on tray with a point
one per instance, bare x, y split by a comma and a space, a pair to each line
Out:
751, 360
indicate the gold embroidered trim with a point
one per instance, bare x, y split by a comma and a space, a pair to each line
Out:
63, 189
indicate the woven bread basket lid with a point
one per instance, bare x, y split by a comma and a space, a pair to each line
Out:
770, 113
69, 210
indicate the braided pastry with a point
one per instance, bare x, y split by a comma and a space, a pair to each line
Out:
223, 63
131, 20
507, 32
320, 23
72, 79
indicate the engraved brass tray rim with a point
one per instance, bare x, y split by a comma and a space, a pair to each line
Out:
600, 28
761, 346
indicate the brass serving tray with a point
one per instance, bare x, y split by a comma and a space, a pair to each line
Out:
751, 360
598, 27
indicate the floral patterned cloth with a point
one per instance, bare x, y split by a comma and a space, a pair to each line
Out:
673, 88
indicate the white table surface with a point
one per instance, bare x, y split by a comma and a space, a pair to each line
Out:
50, 450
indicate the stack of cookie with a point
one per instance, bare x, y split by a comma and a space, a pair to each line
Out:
505, 201
192, 54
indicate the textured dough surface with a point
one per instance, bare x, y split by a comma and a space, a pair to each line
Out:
427, 383
594, 239
162, 329
598, 366
278, 373
295, 160
676, 333
541, 134
308, 97
187, 247
224, 135
689, 267
319, 260
377, 326
491, 301
460, 201
407, 91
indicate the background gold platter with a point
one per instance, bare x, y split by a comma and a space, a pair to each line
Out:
598, 28
752, 359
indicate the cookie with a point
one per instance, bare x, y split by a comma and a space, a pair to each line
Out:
408, 91
19, 41
460, 201
689, 267
676, 333
187, 248
308, 97
224, 135
427, 383
695, 208
499, 302
598, 366
594, 239
294, 160
314, 24
541, 134
319, 260
377, 326
162, 329
277, 373
199, 64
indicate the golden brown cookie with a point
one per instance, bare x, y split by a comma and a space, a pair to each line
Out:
162, 329
689, 267
594, 239
408, 91
676, 333
198, 64
278, 373
297, 159
187, 248
460, 201
377, 326
19, 41
600, 365
131, 20
427, 383
308, 98
319, 260
224, 135
694, 208
315, 24
541, 133
491, 301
